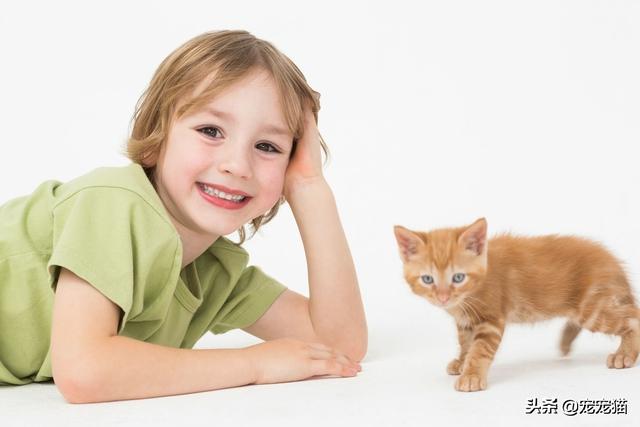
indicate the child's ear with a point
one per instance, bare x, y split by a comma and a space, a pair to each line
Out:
150, 159
408, 242
474, 238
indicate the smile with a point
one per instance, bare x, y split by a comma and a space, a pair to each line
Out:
221, 194
227, 199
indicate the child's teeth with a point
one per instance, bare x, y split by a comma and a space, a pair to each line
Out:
222, 194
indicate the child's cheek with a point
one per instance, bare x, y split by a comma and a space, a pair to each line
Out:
188, 168
274, 184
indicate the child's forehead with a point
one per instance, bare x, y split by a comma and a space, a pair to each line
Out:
254, 90
215, 84
232, 110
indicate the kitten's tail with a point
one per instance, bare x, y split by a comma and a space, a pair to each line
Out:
570, 332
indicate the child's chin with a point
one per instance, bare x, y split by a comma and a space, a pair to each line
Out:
220, 231
227, 232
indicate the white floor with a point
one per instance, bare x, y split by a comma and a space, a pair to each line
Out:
403, 383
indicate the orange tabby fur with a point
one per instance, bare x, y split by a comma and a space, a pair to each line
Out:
518, 279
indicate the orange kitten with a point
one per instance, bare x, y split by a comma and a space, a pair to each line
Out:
485, 284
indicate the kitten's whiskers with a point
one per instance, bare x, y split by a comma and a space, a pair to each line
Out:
471, 308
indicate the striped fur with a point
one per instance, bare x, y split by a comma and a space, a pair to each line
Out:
511, 279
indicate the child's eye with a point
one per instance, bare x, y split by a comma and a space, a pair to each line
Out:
266, 147
211, 131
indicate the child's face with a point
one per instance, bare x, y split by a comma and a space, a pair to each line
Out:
238, 145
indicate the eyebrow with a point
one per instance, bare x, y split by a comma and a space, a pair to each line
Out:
269, 128
220, 114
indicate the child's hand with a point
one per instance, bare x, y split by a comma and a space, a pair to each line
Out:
286, 359
306, 164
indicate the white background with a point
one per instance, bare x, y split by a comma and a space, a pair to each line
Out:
436, 113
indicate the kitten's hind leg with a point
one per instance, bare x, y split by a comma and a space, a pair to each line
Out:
570, 332
627, 353
612, 311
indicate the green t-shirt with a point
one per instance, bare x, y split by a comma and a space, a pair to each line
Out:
110, 228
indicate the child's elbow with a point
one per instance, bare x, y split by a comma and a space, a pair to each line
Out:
360, 351
356, 349
78, 384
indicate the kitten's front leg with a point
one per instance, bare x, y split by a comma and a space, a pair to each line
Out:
485, 340
465, 333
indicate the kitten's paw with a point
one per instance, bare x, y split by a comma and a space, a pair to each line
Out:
565, 349
621, 360
454, 367
471, 382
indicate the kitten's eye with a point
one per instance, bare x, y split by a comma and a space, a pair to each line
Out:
211, 131
266, 147
458, 277
426, 279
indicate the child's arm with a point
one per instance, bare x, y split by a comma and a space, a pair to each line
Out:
334, 312
91, 363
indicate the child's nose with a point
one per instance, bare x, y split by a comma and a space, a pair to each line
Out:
235, 161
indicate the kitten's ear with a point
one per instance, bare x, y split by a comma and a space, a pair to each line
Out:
474, 238
408, 242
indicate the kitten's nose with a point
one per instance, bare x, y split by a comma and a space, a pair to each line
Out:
443, 297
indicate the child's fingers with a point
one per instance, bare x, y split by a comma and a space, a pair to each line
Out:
318, 354
319, 346
324, 352
332, 367
331, 354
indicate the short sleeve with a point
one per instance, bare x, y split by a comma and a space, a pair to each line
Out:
114, 240
250, 298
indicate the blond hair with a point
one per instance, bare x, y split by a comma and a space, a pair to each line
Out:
230, 55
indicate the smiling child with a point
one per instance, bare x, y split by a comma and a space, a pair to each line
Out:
107, 281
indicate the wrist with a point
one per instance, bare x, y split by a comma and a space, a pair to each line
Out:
305, 188
248, 354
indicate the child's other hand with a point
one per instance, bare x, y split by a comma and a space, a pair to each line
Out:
286, 359
306, 164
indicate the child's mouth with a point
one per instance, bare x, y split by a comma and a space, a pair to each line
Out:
221, 194
222, 198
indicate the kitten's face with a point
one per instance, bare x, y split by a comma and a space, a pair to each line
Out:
444, 265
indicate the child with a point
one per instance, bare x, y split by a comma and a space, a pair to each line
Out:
107, 281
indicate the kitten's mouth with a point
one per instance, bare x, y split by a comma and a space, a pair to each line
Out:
448, 303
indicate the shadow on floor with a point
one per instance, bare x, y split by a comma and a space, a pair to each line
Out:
549, 367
